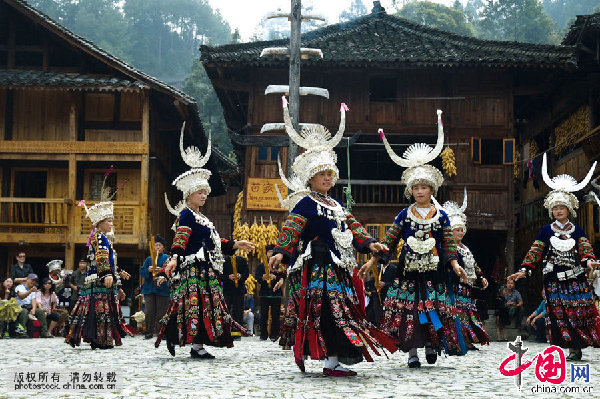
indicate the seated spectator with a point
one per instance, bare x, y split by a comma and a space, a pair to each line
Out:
24, 294
249, 312
44, 307
20, 270
510, 307
62, 288
536, 323
9, 309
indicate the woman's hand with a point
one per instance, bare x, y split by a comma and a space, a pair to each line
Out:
592, 264
376, 247
484, 283
160, 280
244, 245
516, 276
108, 281
362, 273
121, 295
170, 267
278, 285
459, 271
275, 261
125, 275
232, 276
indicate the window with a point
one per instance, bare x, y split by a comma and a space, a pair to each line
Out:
382, 89
492, 151
96, 180
268, 154
508, 151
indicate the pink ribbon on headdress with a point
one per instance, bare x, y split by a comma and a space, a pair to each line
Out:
284, 101
344, 107
109, 171
381, 134
81, 203
120, 186
89, 240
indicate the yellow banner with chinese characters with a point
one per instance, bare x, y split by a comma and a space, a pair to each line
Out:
261, 194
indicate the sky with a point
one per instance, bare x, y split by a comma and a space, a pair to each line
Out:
246, 15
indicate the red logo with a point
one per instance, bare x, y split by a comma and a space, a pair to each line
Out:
550, 365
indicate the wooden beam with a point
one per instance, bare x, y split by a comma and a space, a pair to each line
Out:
71, 213
32, 238
8, 115
108, 158
145, 125
144, 171
35, 157
231, 85
112, 125
73, 123
72, 147
145, 164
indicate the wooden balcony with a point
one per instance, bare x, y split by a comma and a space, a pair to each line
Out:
46, 220
374, 193
33, 220
127, 223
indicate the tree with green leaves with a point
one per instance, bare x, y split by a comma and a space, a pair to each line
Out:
357, 9
564, 11
439, 16
516, 20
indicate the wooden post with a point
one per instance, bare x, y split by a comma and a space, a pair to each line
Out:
144, 166
294, 75
73, 228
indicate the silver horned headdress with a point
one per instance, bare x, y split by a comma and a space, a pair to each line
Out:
415, 158
296, 189
319, 144
196, 178
562, 188
455, 212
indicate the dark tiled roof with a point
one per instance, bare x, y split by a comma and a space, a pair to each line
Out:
587, 23
27, 78
385, 40
96, 51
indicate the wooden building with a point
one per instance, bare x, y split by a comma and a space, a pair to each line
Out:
69, 110
561, 114
394, 74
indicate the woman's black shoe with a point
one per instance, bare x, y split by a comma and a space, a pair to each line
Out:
171, 348
95, 345
414, 363
195, 355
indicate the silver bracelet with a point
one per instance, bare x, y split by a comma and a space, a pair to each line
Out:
526, 271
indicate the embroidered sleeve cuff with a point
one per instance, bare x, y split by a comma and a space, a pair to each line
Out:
227, 247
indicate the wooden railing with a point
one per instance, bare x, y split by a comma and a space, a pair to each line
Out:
127, 225
372, 193
33, 215
46, 220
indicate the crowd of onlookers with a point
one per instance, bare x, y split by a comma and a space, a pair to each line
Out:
33, 308
510, 308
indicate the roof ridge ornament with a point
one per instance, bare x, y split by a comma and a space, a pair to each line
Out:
377, 8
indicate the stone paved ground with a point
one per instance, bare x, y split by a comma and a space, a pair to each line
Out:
260, 369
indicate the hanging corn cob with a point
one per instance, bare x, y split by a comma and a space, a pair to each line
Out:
242, 232
449, 162
250, 284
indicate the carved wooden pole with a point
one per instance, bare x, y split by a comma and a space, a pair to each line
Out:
294, 75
